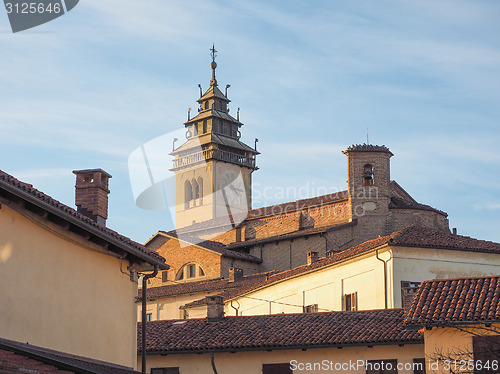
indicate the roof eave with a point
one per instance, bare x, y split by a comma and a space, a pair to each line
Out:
83, 225
290, 347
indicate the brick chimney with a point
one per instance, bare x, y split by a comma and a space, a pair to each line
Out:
408, 294
235, 273
91, 197
312, 257
215, 308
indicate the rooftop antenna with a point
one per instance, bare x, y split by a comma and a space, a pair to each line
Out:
256, 141
227, 86
189, 114
238, 115
367, 140
201, 91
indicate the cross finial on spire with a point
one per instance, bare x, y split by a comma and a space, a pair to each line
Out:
213, 52
213, 65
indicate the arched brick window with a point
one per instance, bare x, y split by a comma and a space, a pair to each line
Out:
190, 271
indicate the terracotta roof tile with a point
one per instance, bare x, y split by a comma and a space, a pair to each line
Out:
279, 331
26, 356
215, 246
413, 236
272, 210
27, 191
456, 301
293, 234
398, 203
217, 284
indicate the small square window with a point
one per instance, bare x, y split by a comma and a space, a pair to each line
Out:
149, 317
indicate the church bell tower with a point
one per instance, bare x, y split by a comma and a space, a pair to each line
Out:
213, 167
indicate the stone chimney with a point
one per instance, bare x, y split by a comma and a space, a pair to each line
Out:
312, 257
215, 308
235, 273
91, 197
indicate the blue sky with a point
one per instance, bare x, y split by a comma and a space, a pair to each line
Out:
86, 89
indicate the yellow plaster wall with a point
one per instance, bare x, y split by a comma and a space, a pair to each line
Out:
323, 287
251, 362
58, 294
452, 344
168, 307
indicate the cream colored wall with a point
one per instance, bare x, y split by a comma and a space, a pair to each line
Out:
419, 264
214, 176
168, 308
324, 287
251, 362
58, 294
451, 344
202, 212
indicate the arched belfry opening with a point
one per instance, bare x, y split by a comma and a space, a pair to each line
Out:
188, 194
368, 175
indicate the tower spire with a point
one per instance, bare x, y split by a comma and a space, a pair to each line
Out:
213, 65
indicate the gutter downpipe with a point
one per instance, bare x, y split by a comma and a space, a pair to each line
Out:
385, 278
144, 289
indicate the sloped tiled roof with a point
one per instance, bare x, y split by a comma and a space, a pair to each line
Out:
271, 210
12, 186
412, 236
293, 206
293, 234
279, 331
398, 203
456, 301
27, 358
217, 284
27, 192
216, 247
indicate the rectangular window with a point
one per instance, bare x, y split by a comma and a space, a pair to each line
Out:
419, 366
170, 370
381, 367
276, 368
486, 353
205, 126
164, 276
313, 308
350, 301
192, 271
149, 317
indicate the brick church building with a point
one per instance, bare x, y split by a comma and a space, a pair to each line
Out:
218, 232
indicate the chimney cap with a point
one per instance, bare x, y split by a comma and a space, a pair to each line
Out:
85, 171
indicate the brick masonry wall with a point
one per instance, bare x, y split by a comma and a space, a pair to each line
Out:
177, 257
